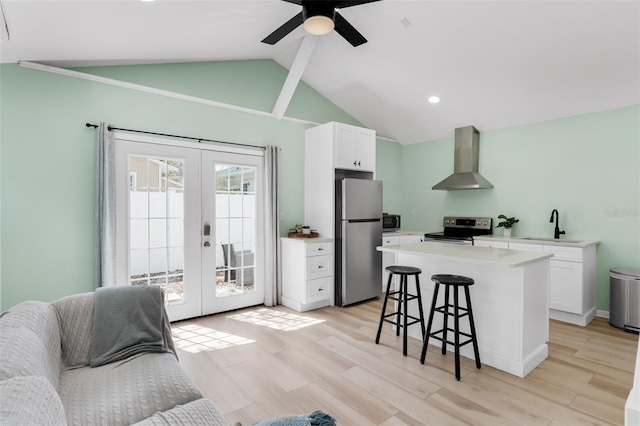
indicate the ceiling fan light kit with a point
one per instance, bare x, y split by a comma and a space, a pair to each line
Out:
320, 18
318, 25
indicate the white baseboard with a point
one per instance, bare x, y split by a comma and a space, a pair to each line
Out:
602, 314
582, 320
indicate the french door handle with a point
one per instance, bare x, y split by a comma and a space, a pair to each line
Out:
207, 244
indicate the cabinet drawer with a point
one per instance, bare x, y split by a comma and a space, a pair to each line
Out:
318, 249
319, 266
525, 247
389, 241
406, 239
319, 289
572, 254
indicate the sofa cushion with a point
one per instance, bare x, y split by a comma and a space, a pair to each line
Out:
24, 354
30, 400
41, 319
127, 391
75, 315
198, 412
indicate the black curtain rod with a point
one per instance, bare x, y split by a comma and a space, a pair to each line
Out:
176, 136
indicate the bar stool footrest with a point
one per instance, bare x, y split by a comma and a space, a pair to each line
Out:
433, 335
415, 320
443, 310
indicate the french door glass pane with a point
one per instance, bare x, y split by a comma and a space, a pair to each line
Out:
235, 229
156, 224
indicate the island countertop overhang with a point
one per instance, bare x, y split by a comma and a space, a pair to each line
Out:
507, 258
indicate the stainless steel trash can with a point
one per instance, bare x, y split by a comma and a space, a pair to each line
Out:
624, 291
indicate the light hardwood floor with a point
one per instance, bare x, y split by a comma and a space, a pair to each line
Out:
259, 363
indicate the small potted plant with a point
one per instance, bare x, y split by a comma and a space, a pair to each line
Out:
507, 223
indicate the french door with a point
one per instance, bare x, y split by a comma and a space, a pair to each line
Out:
190, 221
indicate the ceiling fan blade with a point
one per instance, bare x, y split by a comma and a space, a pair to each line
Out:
346, 3
346, 30
284, 29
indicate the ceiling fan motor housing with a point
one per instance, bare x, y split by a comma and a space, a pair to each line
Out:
315, 8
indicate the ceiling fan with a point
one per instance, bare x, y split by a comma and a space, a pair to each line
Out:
319, 18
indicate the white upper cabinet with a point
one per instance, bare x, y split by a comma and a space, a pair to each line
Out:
329, 147
355, 148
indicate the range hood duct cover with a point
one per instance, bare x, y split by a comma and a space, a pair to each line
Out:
465, 167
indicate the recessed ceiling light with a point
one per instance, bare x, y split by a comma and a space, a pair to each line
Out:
434, 99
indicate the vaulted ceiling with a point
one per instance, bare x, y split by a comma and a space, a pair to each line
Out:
494, 64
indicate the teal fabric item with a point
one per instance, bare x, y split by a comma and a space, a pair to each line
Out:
285, 421
317, 418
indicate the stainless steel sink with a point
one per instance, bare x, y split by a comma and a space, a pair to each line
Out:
551, 240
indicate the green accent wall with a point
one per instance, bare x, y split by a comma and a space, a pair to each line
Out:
587, 167
48, 163
388, 170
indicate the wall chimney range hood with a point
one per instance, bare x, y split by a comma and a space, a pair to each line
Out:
465, 164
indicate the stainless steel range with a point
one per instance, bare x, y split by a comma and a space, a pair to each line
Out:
461, 230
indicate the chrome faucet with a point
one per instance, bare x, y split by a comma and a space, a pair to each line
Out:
557, 231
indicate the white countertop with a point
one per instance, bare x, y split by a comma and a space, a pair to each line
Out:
469, 254
398, 233
309, 240
534, 240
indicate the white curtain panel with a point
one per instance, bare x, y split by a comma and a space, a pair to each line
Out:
106, 208
273, 274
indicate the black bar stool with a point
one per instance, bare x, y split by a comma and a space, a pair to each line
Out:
402, 296
454, 281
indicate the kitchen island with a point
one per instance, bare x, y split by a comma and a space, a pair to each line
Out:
510, 299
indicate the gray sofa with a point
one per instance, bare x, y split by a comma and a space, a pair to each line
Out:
45, 378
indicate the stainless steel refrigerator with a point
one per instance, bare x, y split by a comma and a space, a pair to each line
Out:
358, 233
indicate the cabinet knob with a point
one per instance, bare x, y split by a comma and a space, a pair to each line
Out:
354, 163
320, 266
320, 249
358, 163
321, 289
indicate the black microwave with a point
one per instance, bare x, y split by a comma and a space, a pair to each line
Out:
391, 222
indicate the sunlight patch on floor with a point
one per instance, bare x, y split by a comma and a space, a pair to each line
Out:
277, 320
195, 338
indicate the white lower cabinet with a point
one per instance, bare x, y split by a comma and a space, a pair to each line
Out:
566, 286
572, 293
307, 273
573, 283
